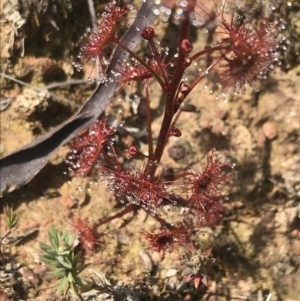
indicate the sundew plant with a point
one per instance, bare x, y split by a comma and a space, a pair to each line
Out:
242, 52
156, 77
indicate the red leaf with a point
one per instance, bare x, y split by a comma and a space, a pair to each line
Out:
189, 278
197, 281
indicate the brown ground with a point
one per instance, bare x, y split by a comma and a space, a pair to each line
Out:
258, 243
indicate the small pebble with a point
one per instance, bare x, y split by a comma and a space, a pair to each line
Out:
67, 201
30, 276
177, 152
269, 130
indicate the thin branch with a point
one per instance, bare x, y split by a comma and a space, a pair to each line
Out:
69, 83
43, 89
92, 12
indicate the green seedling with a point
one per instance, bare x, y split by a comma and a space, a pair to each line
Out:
63, 260
12, 219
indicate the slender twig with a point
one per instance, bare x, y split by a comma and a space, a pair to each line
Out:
43, 89
269, 297
69, 83
92, 12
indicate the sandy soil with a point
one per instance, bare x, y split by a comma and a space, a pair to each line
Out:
258, 242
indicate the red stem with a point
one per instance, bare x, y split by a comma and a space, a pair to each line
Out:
207, 50
103, 221
149, 122
176, 118
158, 60
171, 90
151, 70
195, 82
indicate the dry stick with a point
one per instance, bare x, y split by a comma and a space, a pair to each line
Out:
52, 86
63, 9
92, 12
68, 83
217, 294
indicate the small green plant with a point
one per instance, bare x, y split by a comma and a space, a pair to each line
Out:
60, 255
195, 265
12, 219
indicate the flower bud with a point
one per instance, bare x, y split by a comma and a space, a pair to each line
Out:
186, 46
147, 33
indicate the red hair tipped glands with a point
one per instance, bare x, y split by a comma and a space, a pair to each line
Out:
203, 188
251, 56
167, 239
248, 51
104, 35
85, 234
135, 187
135, 71
86, 148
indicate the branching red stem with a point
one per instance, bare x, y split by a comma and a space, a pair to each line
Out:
195, 82
158, 78
206, 51
158, 59
171, 91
